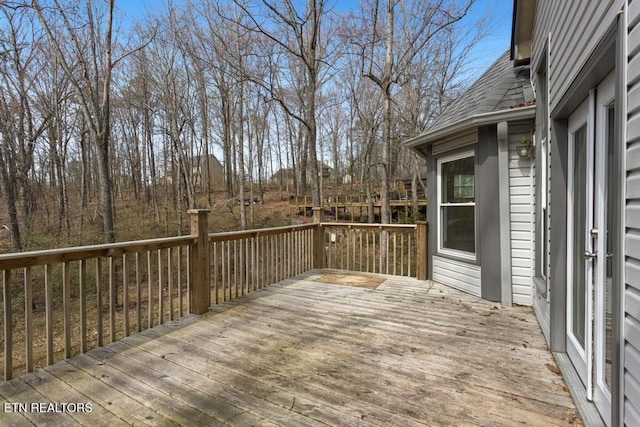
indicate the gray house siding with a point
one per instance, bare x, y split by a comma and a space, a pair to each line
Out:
581, 52
521, 207
576, 27
632, 222
488, 213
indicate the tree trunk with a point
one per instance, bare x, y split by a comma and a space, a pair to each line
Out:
9, 194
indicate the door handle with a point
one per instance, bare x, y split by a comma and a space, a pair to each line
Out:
589, 255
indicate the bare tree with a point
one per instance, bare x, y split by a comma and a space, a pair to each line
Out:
390, 50
298, 33
22, 122
66, 26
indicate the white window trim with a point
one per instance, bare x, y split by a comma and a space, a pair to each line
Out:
453, 252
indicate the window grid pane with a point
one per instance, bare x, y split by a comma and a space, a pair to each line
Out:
457, 204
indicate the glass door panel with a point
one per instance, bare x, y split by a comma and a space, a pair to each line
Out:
579, 241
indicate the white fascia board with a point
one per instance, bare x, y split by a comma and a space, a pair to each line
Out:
528, 112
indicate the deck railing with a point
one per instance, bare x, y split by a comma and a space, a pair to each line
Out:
245, 261
373, 248
59, 303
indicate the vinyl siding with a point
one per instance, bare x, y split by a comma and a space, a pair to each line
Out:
575, 28
457, 274
632, 223
521, 206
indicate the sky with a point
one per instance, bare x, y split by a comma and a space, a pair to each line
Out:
497, 41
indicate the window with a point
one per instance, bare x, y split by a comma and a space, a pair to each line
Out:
457, 205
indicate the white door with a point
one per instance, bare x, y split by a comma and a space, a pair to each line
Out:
602, 261
589, 269
579, 226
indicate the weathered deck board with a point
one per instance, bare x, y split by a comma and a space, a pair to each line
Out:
306, 353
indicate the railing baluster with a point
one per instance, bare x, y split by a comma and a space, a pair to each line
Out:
295, 242
149, 292
188, 278
223, 272
247, 265
82, 279
395, 246
347, 245
235, 267
285, 253
215, 273
409, 259
99, 301
290, 256
281, 249
138, 294
331, 255
160, 290
260, 261
225, 268
112, 299
293, 258
180, 257
386, 252
309, 249
374, 255
381, 241
66, 307
170, 282
125, 295
402, 254
276, 260
8, 320
229, 271
368, 255
361, 251
273, 259
28, 319
254, 249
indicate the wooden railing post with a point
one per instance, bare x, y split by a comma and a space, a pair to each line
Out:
199, 295
422, 260
318, 239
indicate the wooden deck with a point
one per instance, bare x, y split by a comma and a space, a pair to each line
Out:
310, 351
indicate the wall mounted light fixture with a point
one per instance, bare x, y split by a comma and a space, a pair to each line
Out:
524, 148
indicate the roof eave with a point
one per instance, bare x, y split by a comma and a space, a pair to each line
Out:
522, 30
477, 120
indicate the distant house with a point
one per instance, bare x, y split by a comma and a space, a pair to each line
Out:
216, 171
558, 228
287, 175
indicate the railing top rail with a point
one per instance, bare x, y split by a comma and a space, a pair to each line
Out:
245, 234
51, 256
369, 226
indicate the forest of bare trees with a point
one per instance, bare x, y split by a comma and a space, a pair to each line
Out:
199, 101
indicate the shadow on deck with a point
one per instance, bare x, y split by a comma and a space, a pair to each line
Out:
387, 351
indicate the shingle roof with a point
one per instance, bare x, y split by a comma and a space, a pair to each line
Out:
501, 87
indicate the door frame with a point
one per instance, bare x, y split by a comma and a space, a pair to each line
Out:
580, 355
605, 99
